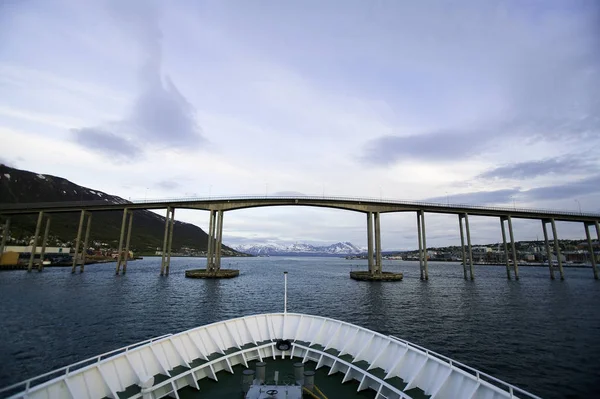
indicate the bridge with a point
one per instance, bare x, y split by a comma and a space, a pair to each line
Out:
373, 208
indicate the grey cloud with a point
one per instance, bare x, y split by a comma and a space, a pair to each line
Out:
530, 169
168, 184
478, 197
105, 142
578, 188
443, 145
161, 115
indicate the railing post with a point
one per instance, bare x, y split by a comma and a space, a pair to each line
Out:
35, 239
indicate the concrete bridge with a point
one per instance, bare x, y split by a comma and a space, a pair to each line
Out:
373, 208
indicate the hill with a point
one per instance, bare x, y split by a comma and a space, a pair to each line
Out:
20, 186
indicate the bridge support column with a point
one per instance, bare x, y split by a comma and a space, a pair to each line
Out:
424, 239
121, 239
210, 266
126, 256
219, 241
378, 266
462, 245
548, 253
591, 249
44, 243
419, 232
86, 240
514, 249
502, 220
165, 241
471, 270
5, 232
170, 245
370, 242
557, 249
35, 240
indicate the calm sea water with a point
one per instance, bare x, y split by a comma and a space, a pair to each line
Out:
538, 334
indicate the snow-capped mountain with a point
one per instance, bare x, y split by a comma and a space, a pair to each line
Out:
340, 248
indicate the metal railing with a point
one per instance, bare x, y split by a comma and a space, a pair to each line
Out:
505, 386
29, 383
371, 200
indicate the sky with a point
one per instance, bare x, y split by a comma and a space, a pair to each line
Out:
472, 102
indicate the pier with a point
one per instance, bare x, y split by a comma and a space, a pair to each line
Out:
372, 208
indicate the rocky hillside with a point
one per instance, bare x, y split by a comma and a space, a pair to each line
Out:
19, 186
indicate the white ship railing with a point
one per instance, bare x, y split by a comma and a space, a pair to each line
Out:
29, 383
478, 374
183, 359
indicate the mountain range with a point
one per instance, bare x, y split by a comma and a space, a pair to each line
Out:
20, 186
340, 248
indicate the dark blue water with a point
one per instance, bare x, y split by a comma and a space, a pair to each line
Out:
538, 334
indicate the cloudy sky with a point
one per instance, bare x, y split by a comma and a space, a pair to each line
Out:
482, 102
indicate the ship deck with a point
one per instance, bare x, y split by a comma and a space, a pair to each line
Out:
229, 385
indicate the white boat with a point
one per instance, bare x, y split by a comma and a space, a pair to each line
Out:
166, 366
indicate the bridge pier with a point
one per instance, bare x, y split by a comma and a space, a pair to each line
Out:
548, 253
122, 260
374, 256
378, 266
5, 232
462, 246
213, 252
210, 255
468, 228
557, 249
514, 248
35, 240
591, 248
170, 245
502, 220
422, 245
85, 242
129, 226
165, 241
219, 241
44, 243
370, 242
462, 243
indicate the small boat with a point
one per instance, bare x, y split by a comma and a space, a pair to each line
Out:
257, 350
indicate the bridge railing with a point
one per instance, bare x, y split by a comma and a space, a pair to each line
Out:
373, 200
